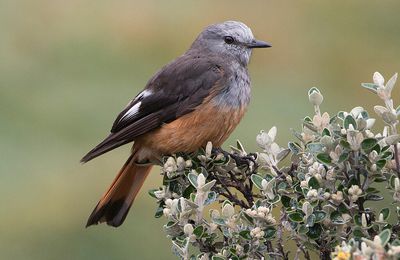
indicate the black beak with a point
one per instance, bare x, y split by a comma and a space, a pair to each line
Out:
258, 44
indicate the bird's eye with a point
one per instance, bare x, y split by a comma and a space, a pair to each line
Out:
229, 39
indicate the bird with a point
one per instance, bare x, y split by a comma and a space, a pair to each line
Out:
197, 98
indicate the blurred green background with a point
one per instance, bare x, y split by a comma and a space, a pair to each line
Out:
68, 67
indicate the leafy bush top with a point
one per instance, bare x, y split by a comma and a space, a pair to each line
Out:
326, 192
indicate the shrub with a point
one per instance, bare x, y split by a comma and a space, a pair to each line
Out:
335, 194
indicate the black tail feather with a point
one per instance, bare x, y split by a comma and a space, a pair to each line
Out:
105, 146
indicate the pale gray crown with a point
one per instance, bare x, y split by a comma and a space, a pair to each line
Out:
214, 38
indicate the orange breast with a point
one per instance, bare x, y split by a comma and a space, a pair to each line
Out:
192, 131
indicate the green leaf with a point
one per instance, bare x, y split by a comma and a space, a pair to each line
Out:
343, 157
303, 229
326, 132
373, 197
151, 193
312, 90
294, 147
386, 155
186, 193
247, 218
381, 163
385, 236
392, 180
319, 216
313, 183
315, 147
245, 234
345, 144
371, 190
226, 202
212, 196
285, 201
349, 120
310, 220
207, 187
368, 144
269, 232
340, 115
324, 158
385, 212
240, 146
315, 232
219, 221
296, 217
370, 86
357, 220
198, 231
159, 212
217, 258
358, 233
282, 154
336, 218
193, 179
395, 242
257, 179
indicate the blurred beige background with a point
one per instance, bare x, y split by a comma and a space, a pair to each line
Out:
68, 67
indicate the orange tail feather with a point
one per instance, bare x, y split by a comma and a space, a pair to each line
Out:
116, 202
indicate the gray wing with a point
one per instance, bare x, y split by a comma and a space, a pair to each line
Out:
175, 90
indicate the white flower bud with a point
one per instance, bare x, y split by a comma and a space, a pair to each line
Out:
213, 227
343, 131
374, 167
304, 184
214, 213
263, 209
188, 163
355, 190
312, 194
160, 194
307, 208
170, 165
264, 184
208, 149
378, 241
168, 202
380, 219
338, 197
397, 184
180, 163
201, 180
378, 79
289, 179
260, 215
166, 212
369, 134
315, 98
188, 229
364, 220
228, 210
370, 123
263, 139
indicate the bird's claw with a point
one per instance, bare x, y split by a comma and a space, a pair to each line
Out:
239, 160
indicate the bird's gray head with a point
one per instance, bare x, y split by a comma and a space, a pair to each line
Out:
230, 38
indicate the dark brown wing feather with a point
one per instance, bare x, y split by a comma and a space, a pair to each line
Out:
177, 89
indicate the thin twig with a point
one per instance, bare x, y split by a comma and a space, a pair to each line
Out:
396, 157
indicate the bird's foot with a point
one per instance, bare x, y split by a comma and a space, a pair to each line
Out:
239, 159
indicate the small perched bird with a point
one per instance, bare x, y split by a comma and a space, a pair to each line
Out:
201, 96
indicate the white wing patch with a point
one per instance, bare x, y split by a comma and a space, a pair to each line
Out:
133, 110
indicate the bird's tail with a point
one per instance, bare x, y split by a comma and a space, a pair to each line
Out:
116, 202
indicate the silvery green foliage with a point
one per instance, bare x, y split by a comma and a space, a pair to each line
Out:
326, 197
